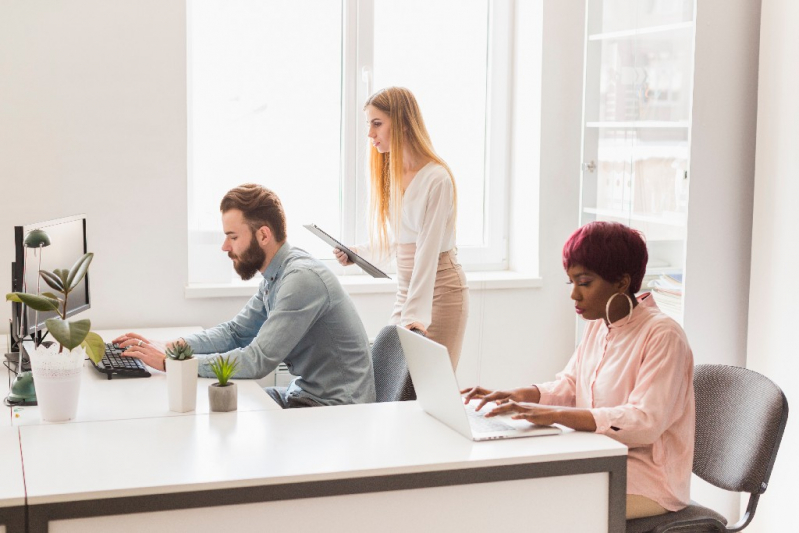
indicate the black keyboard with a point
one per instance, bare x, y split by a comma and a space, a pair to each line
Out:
116, 364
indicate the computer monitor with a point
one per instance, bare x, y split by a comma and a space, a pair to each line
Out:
67, 245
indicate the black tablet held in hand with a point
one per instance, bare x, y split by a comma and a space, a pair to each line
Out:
367, 267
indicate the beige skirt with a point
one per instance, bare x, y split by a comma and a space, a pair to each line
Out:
450, 299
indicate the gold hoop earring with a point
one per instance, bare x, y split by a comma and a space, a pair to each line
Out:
607, 308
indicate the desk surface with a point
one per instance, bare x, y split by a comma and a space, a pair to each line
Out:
257, 448
129, 398
12, 483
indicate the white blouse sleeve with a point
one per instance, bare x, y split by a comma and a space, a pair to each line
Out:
437, 210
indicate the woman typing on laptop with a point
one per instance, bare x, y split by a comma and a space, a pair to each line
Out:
631, 377
413, 211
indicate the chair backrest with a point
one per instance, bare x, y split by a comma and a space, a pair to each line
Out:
740, 419
392, 380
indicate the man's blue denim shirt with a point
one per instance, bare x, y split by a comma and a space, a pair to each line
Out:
300, 316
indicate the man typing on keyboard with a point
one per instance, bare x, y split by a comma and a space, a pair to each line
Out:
300, 315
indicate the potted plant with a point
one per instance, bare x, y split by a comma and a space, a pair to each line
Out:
57, 368
181, 377
223, 395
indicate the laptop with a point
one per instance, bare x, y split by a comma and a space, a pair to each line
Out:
438, 393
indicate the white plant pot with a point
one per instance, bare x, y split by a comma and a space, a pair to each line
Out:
56, 377
181, 384
223, 399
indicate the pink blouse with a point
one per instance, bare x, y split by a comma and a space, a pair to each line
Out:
636, 378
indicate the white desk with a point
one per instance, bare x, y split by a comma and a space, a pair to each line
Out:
125, 398
376, 467
12, 483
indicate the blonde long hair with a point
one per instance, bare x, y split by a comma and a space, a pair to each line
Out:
407, 129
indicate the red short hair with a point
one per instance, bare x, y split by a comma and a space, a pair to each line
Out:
609, 249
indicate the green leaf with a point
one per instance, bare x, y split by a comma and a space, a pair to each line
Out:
51, 295
62, 274
79, 270
94, 346
37, 303
68, 334
52, 280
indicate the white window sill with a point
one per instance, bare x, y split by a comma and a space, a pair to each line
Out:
363, 284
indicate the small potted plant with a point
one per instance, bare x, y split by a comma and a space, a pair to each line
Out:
223, 396
181, 377
56, 374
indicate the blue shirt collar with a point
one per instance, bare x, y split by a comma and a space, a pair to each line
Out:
273, 269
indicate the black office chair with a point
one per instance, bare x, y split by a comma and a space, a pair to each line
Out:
740, 419
392, 380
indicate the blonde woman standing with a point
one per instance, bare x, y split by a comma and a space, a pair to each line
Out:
412, 214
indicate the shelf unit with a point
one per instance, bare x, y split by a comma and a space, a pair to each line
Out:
638, 85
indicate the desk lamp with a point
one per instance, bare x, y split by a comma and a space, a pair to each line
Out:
22, 389
36, 239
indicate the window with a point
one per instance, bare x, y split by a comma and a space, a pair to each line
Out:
276, 90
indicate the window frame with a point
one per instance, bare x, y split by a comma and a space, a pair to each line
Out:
357, 66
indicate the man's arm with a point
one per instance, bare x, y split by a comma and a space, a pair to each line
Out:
301, 299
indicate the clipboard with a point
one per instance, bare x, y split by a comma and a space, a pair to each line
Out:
367, 267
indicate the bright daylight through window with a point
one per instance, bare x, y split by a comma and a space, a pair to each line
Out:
276, 91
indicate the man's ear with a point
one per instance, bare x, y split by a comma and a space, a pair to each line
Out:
264, 235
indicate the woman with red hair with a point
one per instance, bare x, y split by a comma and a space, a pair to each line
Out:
631, 377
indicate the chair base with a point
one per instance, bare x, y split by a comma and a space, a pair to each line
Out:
694, 518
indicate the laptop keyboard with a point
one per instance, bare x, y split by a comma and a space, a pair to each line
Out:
481, 424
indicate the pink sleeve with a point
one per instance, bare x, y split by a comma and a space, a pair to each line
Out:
562, 390
660, 388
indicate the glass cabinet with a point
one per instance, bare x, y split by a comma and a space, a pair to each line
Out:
638, 85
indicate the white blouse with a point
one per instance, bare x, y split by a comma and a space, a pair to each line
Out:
428, 221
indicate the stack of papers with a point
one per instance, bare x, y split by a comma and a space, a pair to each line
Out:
667, 291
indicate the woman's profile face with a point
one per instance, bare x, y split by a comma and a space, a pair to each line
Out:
590, 292
379, 129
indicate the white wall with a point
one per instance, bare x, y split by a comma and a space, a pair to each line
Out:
775, 248
721, 195
93, 120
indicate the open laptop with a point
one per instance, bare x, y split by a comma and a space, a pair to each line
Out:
438, 394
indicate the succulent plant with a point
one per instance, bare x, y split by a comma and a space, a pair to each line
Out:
224, 369
180, 351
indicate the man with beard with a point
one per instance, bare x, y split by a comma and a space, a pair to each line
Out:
299, 316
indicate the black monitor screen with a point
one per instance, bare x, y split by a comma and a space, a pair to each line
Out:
67, 245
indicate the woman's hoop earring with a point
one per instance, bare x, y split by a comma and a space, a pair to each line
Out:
607, 308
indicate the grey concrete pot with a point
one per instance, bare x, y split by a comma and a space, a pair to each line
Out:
223, 399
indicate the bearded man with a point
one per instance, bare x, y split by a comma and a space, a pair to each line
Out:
299, 316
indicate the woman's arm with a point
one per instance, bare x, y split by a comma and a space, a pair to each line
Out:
437, 210
546, 415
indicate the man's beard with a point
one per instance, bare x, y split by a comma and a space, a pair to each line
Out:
250, 262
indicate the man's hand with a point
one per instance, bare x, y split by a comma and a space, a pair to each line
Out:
150, 352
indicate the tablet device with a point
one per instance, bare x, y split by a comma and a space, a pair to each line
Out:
367, 267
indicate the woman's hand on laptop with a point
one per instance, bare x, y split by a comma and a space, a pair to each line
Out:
500, 397
546, 415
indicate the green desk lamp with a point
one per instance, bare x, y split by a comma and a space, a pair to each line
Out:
36, 239
22, 390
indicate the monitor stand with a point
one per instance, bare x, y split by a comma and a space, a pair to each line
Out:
13, 359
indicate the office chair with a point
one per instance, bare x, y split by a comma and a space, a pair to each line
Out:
392, 380
740, 419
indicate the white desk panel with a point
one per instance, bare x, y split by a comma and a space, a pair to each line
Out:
257, 448
12, 483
